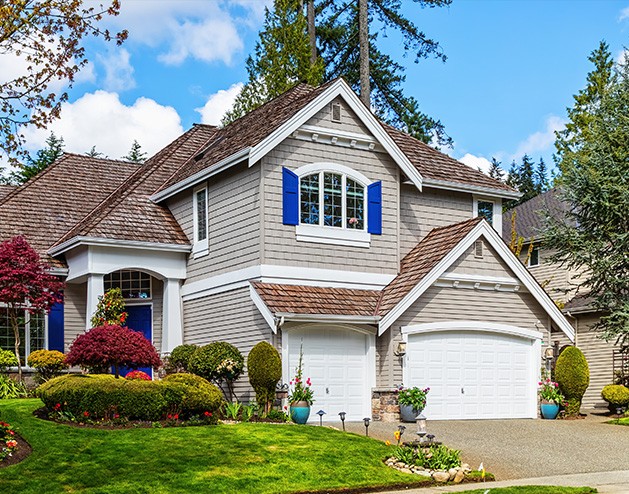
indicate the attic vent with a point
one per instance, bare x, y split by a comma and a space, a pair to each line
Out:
336, 112
478, 249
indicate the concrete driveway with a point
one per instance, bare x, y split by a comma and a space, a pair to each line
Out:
513, 449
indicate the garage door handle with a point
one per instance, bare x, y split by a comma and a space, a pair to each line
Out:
462, 391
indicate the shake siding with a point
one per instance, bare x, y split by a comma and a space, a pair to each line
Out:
228, 316
280, 245
384, 361
349, 121
422, 211
75, 297
490, 264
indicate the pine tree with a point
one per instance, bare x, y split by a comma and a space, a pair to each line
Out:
282, 59
495, 171
541, 177
135, 154
93, 153
42, 159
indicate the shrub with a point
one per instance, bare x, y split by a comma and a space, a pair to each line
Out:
110, 309
7, 359
437, 457
10, 388
414, 397
200, 395
265, 370
137, 375
616, 395
573, 376
218, 362
112, 346
47, 363
179, 358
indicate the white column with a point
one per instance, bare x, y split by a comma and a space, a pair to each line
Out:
172, 323
95, 289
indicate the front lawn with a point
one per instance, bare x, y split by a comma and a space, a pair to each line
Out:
533, 489
219, 459
622, 421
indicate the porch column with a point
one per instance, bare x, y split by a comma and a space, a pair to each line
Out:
95, 289
172, 323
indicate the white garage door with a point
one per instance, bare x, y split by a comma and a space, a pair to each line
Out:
473, 375
336, 362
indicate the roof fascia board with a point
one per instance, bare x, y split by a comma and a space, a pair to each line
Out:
458, 187
112, 242
262, 307
328, 318
339, 88
204, 174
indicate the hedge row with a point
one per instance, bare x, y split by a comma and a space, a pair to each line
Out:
102, 396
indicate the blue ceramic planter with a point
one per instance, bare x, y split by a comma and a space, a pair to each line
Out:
299, 412
549, 410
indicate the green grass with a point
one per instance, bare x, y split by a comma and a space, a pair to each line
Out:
622, 421
219, 459
533, 489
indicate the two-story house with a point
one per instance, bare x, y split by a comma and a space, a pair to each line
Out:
310, 224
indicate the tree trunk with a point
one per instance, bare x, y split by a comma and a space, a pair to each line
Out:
15, 324
312, 33
363, 39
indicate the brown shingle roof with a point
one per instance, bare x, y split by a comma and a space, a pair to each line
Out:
5, 189
50, 204
129, 214
293, 299
580, 303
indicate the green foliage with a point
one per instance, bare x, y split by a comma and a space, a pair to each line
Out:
217, 362
302, 390
414, 397
110, 309
616, 395
278, 416
549, 391
179, 358
438, 457
47, 363
7, 359
247, 411
136, 155
34, 165
528, 178
280, 61
232, 410
10, 388
264, 366
572, 373
200, 395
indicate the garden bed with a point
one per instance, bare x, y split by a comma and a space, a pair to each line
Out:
23, 451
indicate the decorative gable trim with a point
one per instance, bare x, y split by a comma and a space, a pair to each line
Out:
485, 230
336, 137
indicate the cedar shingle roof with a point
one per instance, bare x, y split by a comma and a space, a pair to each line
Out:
50, 204
5, 189
129, 214
343, 301
580, 303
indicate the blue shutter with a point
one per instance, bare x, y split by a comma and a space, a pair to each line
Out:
290, 197
55, 327
374, 208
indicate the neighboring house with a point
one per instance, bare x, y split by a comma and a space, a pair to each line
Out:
561, 283
309, 224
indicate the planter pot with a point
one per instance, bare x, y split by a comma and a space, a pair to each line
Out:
549, 410
408, 413
299, 412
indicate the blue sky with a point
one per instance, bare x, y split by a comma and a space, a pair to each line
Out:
512, 69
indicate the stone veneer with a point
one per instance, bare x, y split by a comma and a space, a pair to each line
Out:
384, 405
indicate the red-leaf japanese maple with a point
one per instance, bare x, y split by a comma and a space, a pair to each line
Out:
26, 286
114, 346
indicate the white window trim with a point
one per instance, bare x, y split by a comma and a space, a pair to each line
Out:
131, 300
200, 248
497, 216
333, 235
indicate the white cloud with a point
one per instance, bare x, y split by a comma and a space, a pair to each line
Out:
624, 14
541, 141
100, 119
118, 69
476, 162
218, 103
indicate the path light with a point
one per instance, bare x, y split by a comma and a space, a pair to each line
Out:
320, 413
619, 412
421, 426
366, 421
342, 415
430, 437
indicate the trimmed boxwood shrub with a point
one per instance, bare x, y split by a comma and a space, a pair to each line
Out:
179, 358
200, 395
572, 373
616, 395
265, 370
7, 359
217, 362
47, 363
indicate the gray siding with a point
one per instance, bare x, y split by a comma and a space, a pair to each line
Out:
75, 298
229, 316
158, 303
489, 265
349, 120
420, 212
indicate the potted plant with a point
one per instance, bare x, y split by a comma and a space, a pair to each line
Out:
412, 402
301, 398
550, 398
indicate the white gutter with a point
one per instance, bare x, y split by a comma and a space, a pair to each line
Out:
459, 187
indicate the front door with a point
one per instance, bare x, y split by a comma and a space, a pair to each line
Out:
140, 318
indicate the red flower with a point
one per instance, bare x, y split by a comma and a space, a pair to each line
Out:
176, 416
57, 406
86, 414
169, 416
116, 415
207, 414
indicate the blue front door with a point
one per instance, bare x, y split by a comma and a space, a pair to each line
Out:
140, 318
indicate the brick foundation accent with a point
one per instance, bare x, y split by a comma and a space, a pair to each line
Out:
384, 405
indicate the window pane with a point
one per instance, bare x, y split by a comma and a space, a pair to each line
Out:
36, 332
7, 339
332, 200
486, 210
201, 215
309, 199
534, 259
133, 284
355, 197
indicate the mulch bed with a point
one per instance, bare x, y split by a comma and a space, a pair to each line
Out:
23, 451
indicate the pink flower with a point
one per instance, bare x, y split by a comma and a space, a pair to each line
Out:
556, 385
308, 382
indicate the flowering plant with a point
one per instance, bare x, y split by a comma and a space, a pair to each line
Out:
137, 375
8, 444
110, 309
414, 397
301, 391
549, 391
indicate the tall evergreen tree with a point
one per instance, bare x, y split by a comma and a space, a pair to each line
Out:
93, 153
542, 183
42, 159
282, 59
495, 171
136, 155
526, 179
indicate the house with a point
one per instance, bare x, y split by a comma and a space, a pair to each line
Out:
561, 283
310, 224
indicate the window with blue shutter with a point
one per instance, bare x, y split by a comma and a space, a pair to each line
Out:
290, 197
374, 208
55, 327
